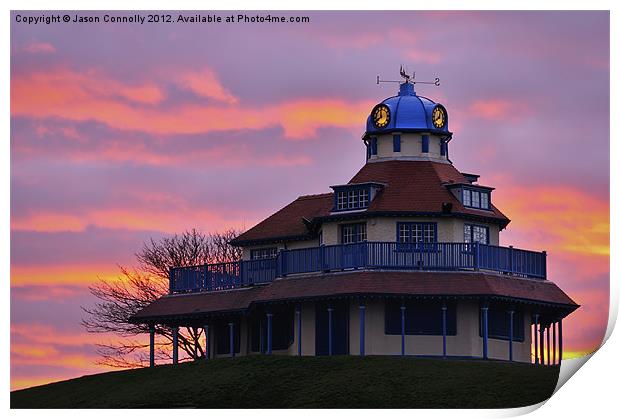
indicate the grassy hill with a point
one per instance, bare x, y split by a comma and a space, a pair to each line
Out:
289, 382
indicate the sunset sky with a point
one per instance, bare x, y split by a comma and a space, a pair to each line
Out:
123, 132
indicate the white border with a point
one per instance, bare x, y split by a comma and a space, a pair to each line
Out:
591, 392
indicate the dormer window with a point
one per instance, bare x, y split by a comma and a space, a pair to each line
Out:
363, 201
354, 197
475, 198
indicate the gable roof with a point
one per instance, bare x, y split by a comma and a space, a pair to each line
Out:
410, 188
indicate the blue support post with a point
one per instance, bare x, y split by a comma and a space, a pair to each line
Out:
231, 337
541, 342
261, 340
402, 330
511, 314
207, 342
485, 331
298, 313
170, 281
476, 255
554, 350
269, 332
560, 349
151, 345
362, 329
329, 331
536, 339
548, 347
444, 310
175, 345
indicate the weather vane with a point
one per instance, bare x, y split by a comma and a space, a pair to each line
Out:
408, 79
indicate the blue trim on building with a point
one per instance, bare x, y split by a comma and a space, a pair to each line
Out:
402, 330
231, 337
396, 143
330, 331
485, 332
444, 309
362, 309
269, 333
425, 143
511, 321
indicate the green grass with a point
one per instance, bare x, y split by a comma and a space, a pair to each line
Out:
309, 382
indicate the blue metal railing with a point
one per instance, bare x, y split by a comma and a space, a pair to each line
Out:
365, 255
222, 276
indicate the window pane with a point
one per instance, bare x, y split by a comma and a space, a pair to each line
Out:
404, 233
466, 197
467, 233
270, 252
363, 198
342, 200
416, 233
347, 234
353, 199
353, 233
429, 233
475, 199
484, 200
361, 232
480, 234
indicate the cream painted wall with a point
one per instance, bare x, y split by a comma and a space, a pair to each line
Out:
299, 244
384, 229
466, 342
410, 147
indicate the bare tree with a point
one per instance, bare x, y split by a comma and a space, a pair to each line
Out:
137, 287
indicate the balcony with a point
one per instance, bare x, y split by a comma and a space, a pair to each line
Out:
365, 255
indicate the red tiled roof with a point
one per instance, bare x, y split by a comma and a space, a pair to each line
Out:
459, 284
417, 186
289, 221
411, 186
199, 303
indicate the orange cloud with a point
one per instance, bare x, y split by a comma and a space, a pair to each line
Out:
68, 88
205, 83
165, 214
574, 221
148, 94
59, 352
60, 275
68, 95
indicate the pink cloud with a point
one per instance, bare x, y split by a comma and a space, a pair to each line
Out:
205, 83
496, 109
82, 97
39, 48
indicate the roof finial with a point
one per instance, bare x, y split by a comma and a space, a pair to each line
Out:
409, 79
406, 76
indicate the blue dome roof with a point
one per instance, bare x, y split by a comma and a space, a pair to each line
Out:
408, 113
